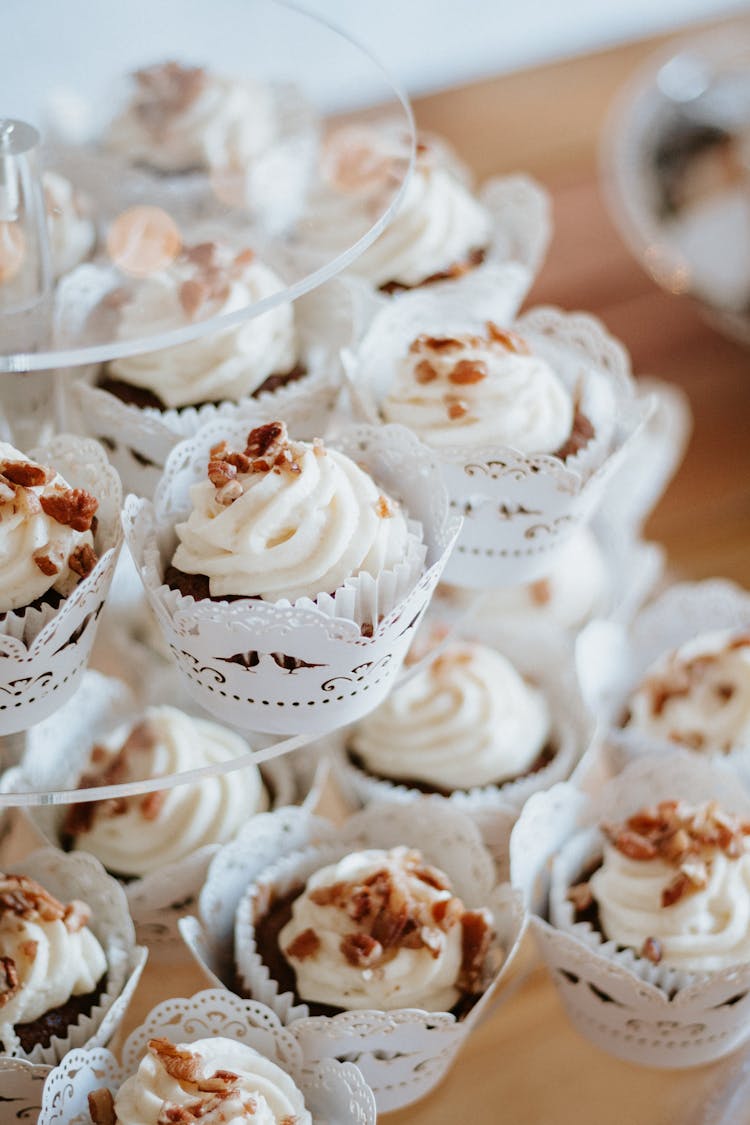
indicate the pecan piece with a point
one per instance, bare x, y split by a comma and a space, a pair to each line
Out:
457, 408
9, 983
193, 295
511, 341
83, 560
45, 562
361, 950
424, 372
304, 945
468, 371
652, 950
220, 472
475, 943
102, 1107
25, 473
72, 507
152, 804
263, 438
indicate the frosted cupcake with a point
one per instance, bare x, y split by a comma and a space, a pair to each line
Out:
183, 118
527, 417
72, 231
211, 1057
645, 927
441, 230
60, 536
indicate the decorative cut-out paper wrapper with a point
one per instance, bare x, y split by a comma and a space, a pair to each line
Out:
44, 651
402, 1053
237, 654
549, 666
335, 1093
613, 659
517, 508
139, 439
57, 754
80, 876
645, 1013
21, 1083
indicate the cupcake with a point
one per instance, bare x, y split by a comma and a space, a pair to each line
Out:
384, 938
212, 1057
679, 676
183, 118
440, 229
646, 925
256, 531
48, 530
60, 539
72, 231
69, 964
141, 405
527, 418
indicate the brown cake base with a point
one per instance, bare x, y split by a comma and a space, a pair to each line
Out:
267, 930
51, 598
458, 269
580, 436
58, 1021
541, 761
197, 586
142, 397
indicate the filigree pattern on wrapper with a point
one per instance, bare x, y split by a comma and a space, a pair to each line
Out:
648, 1014
139, 440
334, 1093
234, 653
613, 659
21, 1084
80, 876
402, 1053
517, 509
43, 652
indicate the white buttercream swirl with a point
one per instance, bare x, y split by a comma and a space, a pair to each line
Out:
52, 961
517, 399
293, 534
72, 232
705, 930
25, 531
220, 123
226, 365
437, 225
426, 977
698, 695
467, 719
141, 834
258, 1091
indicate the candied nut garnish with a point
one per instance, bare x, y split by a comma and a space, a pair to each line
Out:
77, 915
475, 943
72, 507
45, 562
511, 341
25, 898
220, 472
264, 439
29, 949
202, 254
83, 560
652, 950
304, 945
725, 692
193, 295
9, 983
457, 408
102, 1107
166, 90
580, 896
384, 507
425, 372
468, 371
678, 680
361, 950
436, 343
229, 492
541, 591
152, 804
183, 1066
114, 768
25, 473
684, 836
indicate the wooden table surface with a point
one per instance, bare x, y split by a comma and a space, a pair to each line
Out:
525, 1065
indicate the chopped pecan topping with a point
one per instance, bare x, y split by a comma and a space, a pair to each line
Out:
511, 341
725, 692
456, 407
113, 770
436, 343
304, 945
684, 836
652, 950
541, 591
25, 473
193, 295
361, 950
77, 915
83, 560
45, 562
264, 439
29, 949
468, 371
152, 804
9, 983
220, 472
384, 508
202, 254
25, 898
72, 507
183, 1066
102, 1107
425, 372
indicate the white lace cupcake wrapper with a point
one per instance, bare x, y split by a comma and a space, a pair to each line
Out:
613, 659
238, 655
649, 1014
81, 876
43, 651
402, 1053
335, 1093
521, 221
